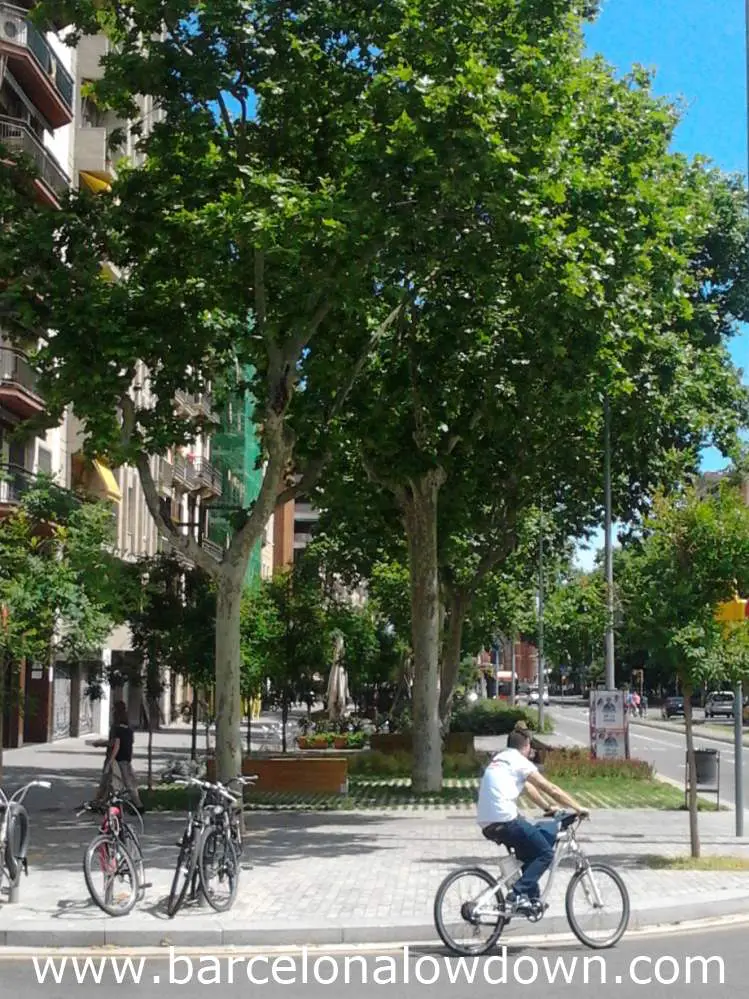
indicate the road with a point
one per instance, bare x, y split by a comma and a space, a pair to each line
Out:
665, 750
671, 966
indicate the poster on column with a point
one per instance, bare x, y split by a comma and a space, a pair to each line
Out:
608, 725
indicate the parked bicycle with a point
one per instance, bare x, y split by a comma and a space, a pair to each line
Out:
482, 906
115, 855
15, 829
210, 848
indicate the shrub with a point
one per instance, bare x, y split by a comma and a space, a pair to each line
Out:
490, 717
374, 764
569, 764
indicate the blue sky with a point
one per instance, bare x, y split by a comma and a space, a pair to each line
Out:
697, 50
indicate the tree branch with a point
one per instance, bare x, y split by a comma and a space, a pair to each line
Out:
309, 477
261, 305
231, 132
184, 543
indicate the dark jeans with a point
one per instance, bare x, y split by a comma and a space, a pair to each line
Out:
533, 844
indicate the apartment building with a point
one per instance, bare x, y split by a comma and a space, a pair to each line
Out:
37, 108
45, 114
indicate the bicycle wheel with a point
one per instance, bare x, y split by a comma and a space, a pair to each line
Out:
455, 916
219, 870
183, 876
107, 859
598, 882
133, 847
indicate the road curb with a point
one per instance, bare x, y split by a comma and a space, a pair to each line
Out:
117, 934
665, 727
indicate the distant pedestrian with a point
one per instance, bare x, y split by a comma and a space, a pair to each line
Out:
117, 771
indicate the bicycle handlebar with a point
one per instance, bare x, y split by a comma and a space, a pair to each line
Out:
21, 793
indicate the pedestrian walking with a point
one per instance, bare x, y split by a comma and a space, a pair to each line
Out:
117, 771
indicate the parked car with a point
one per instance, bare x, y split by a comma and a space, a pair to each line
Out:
673, 706
533, 696
719, 704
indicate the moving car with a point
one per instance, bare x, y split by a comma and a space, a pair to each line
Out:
719, 704
673, 706
533, 696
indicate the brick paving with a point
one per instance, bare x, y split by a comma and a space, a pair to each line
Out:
335, 872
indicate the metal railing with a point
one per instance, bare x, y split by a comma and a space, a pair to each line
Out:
211, 548
16, 370
208, 475
17, 29
15, 482
18, 137
184, 471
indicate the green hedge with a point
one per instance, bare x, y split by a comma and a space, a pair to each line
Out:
495, 718
374, 764
572, 764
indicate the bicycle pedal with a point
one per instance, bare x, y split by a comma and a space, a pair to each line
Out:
147, 884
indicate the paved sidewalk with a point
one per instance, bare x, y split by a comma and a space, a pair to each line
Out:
349, 878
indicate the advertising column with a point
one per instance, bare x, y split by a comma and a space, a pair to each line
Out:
608, 725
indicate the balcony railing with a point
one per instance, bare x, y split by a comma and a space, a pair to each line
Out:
19, 138
16, 29
211, 548
184, 471
15, 482
16, 370
201, 402
208, 476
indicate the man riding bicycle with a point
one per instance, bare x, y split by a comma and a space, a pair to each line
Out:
509, 773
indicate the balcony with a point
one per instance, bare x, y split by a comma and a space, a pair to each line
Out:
184, 472
212, 549
166, 476
92, 153
90, 50
18, 393
33, 63
15, 482
207, 478
194, 404
51, 181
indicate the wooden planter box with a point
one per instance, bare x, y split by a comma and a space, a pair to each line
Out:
397, 742
294, 774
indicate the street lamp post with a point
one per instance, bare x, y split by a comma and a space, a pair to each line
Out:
541, 629
738, 714
609, 644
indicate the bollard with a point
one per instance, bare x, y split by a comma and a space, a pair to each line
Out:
14, 894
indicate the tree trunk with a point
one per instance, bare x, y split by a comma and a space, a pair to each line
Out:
249, 726
453, 640
228, 675
694, 834
195, 707
284, 720
150, 745
420, 517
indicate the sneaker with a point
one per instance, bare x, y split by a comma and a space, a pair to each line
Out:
519, 904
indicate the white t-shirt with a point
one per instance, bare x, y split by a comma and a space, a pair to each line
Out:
501, 786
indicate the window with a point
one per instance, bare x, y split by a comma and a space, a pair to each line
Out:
43, 460
131, 510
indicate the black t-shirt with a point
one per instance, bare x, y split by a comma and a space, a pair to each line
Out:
125, 734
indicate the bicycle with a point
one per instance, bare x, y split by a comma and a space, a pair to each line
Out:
117, 853
203, 846
15, 828
221, 846
486, 907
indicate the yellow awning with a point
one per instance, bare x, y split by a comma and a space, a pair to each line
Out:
94, 183
103, 484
